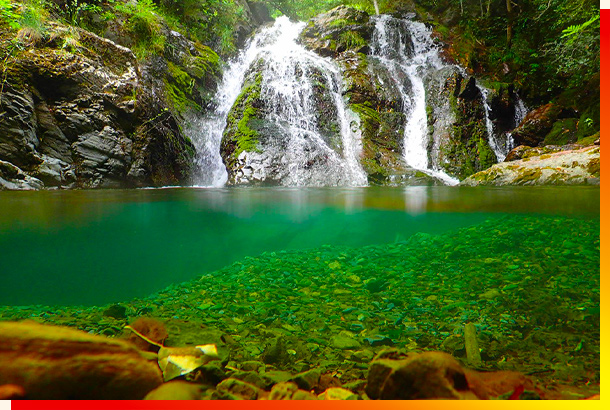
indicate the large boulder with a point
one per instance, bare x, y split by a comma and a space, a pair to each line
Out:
538, 123
56, 363
569, 167
431, 375
460, 139
341, 29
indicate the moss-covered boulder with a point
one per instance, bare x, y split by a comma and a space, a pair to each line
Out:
240, 134
341, 29
381, 121
540, 122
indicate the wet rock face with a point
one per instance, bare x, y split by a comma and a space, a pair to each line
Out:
49, 362
88, 119
459, 143
539, 123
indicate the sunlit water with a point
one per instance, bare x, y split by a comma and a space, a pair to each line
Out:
96, 247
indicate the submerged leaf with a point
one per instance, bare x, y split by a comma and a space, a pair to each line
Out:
178, 361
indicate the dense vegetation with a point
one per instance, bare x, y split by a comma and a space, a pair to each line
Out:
545, 46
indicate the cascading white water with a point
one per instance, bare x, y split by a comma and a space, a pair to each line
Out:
501, 143
520, 113
408, 58
299, 154
520, 110
500, 148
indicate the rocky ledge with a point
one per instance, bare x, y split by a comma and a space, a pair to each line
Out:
81, 111
543, 166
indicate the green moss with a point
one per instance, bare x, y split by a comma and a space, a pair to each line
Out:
351, 39
340, 23
590, 140
563, 132
366, 112
594, 167
179, 87
180, 77
486, 156
206, 63
377, 174
245, 138
442, 30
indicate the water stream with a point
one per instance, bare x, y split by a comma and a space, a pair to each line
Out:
294, 149
307, 135
409, 53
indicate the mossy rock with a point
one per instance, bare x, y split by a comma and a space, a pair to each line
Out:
562, 133
239, 135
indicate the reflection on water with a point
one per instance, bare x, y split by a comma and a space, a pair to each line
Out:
95, 247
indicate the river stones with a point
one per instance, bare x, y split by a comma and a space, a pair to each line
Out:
234, 389
51, 362
308, 380
338, 393
176, 390
289, 391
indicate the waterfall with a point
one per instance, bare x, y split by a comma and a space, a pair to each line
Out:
520, 110
501, 143
500, 148
295, 149
520, 113
406, 49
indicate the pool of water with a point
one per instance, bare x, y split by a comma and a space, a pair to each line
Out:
320, 278
97, 247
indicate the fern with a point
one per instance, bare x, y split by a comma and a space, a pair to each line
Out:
572, 31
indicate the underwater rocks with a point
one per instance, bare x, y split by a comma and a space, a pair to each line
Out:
530, 284
51, 362
431, 375
395, 375
570, 167
92, 116
176, 390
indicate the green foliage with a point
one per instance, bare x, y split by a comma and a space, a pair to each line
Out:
572, 32
75, 10
9, 15
179, 85
32, 21
144, 23
554, 46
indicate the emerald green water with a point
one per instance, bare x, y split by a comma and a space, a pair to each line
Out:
97, 247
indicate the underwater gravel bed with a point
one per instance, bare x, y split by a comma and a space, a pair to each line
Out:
530, 284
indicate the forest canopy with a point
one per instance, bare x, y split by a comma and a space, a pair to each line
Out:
545, 46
